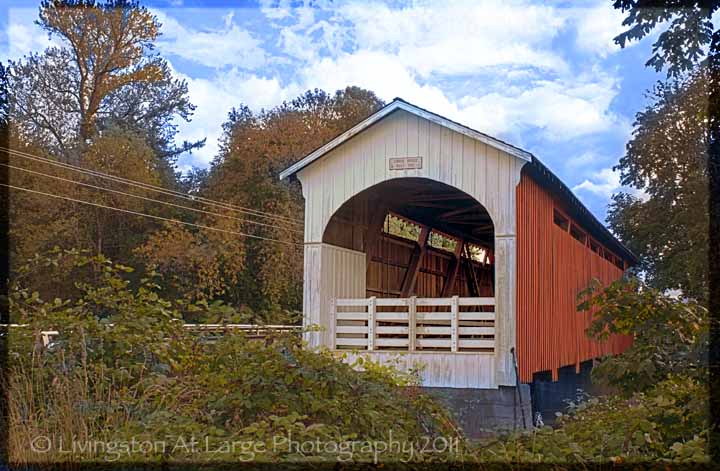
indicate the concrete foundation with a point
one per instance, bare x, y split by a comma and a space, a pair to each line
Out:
483, 412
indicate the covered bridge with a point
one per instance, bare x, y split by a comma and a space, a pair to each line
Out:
427, 242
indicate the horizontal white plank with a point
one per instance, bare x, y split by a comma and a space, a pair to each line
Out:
477, 330
433, 330
386, 329
437, 343
391, 316
434, 301
346, 329
474, 343
477, 316
391, 342
352, 302
391, 302
433, 316
476, 301
344, 341
351, 316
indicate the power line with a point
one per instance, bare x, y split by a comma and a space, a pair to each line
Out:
146, 199
157, 189
137, 213
150, 187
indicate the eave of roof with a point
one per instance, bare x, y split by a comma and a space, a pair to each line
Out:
540, 171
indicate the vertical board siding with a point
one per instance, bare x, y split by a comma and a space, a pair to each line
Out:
449, 370
552, 268
329, 272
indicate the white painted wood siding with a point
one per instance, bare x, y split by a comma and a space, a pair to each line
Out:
484, 172
448, 370
330, 272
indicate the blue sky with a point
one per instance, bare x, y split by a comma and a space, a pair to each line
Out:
544, 76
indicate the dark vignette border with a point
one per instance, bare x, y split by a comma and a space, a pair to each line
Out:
714, 307
714, 242
4, 266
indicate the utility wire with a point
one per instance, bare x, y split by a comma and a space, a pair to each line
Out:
137, 213
147, 199
150, 187
158, 189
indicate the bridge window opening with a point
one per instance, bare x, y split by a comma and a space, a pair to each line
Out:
578, 234
560, 220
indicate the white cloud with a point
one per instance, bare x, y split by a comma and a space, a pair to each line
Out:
563, 108
596, 27
216, 48
603, 183
375, 71
216, 96
275, 9
23, 35
459, 37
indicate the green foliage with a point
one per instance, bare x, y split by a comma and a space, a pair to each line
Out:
667, 161
683, 44
670, 336
669, 422
252, 391
123, 367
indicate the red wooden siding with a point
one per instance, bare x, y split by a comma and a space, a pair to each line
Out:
552, 268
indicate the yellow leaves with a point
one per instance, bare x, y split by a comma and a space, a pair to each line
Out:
148, 73
201, 265
109, 46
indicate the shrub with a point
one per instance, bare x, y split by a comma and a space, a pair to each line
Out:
123, 368
668, 422
670, 336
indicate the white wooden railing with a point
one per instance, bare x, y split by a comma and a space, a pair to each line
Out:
454, 324
251, 330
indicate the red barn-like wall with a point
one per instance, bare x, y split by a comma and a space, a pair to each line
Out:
553, 266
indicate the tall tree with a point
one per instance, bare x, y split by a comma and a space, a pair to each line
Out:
101, 98
688, 48
254, 149
103, 74
667, 159
680, 47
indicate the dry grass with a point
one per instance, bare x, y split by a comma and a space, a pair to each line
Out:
86, 405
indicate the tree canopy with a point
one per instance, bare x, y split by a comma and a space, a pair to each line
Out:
103, 74
685, 41
671, 155
666, 158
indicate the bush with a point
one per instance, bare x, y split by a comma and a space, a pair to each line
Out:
670, 336
668, 422
663, 411
123, 368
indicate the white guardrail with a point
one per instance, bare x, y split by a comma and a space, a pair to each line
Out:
457, 324
251, 330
